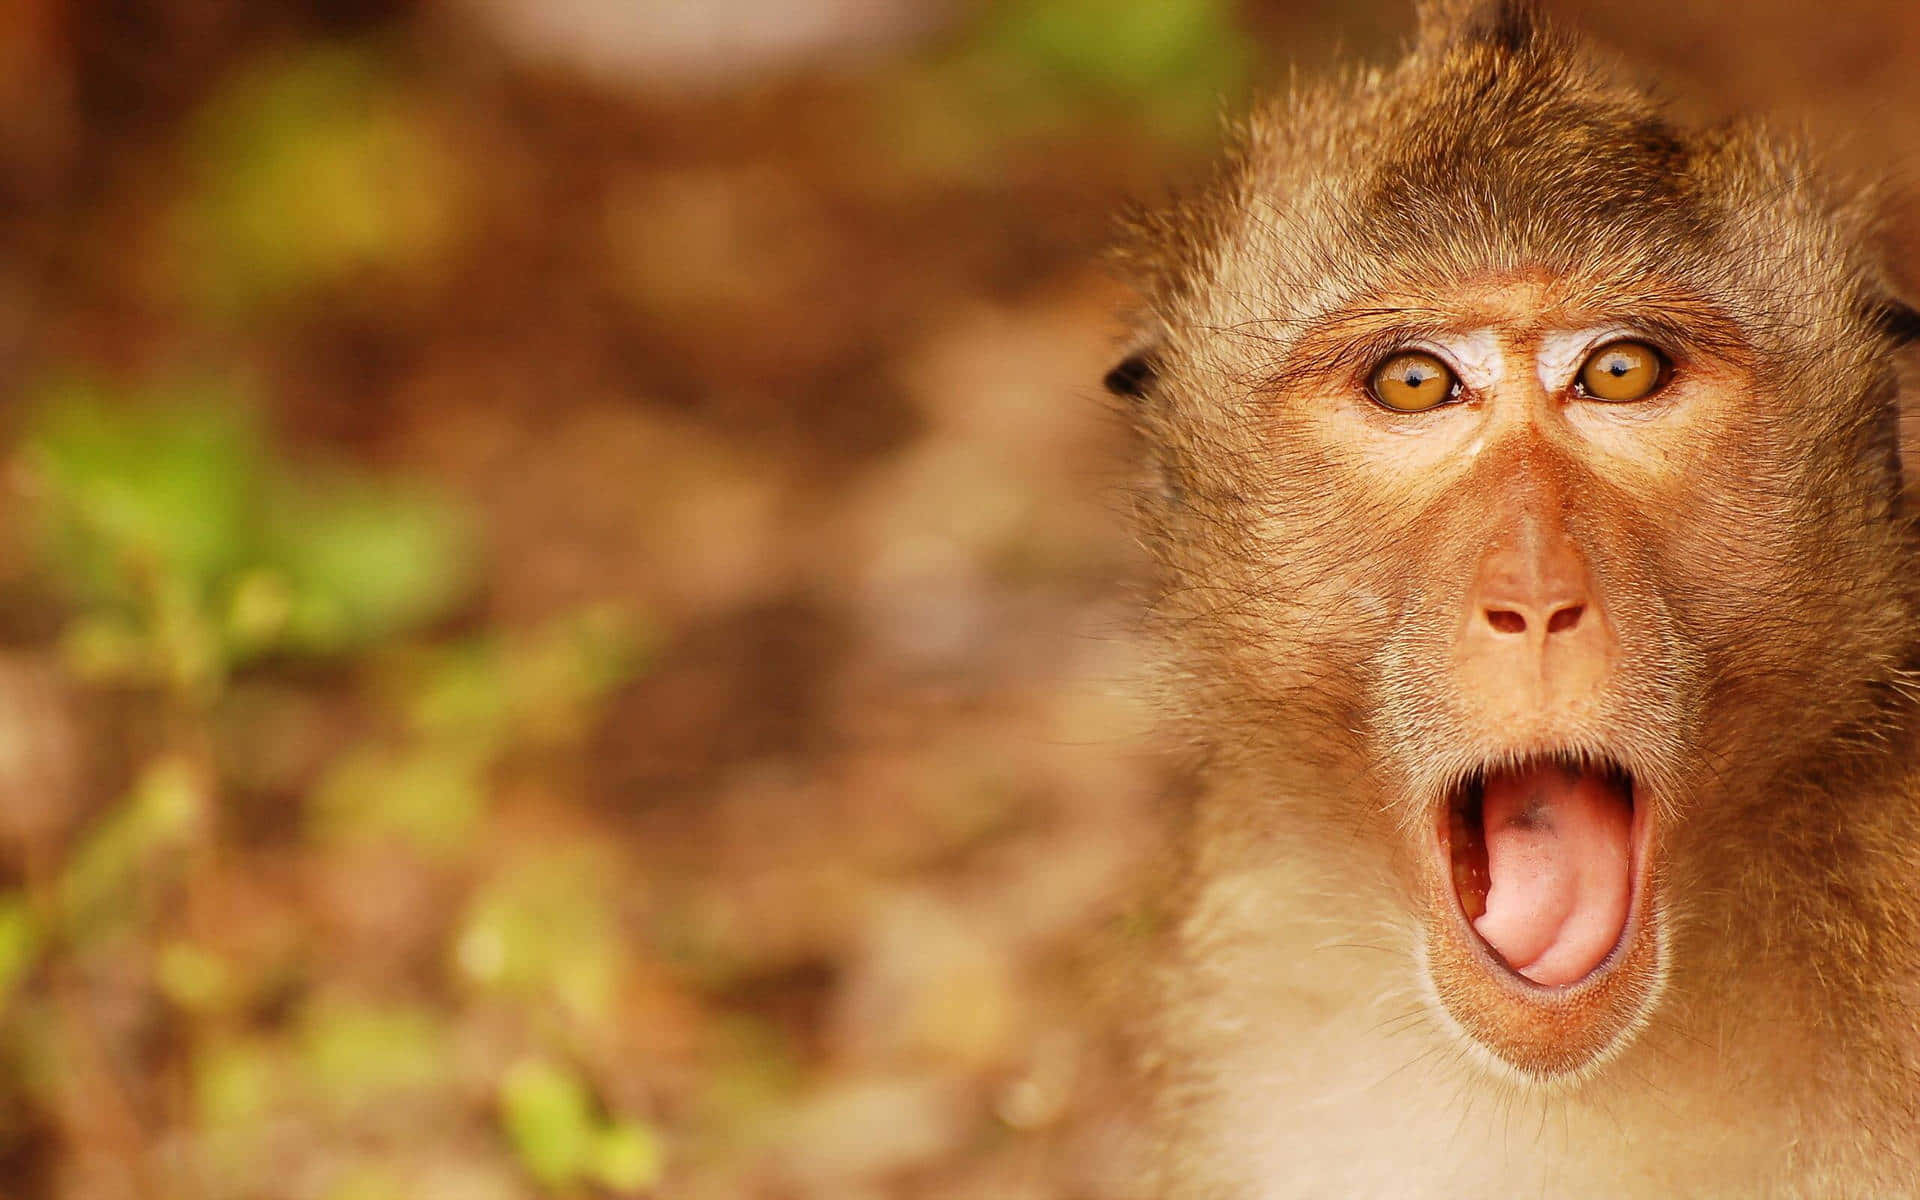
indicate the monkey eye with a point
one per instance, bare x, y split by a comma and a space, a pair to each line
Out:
1413, 381
1621, 371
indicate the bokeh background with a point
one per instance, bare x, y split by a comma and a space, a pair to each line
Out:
564, 617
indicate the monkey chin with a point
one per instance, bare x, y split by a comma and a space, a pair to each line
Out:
1541, 1034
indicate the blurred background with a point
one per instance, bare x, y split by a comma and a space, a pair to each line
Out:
564, 617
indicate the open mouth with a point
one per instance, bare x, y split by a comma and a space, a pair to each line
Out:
1544, 859
1545, 940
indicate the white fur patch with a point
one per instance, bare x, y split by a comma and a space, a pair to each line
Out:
1475, 356
1562, 352
1480, 360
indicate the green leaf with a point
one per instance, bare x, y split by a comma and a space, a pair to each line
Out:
305, 170
101, 883
361, 561
134, 493
629, 1157
1139, 47
546, 930
549, 1119
531, 688
194, 977
431, 796
189, 549
357, 1054
235, 1080
259, 610
19, 944
1043, 65
463, 692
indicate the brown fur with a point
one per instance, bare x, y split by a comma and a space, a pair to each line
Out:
1760, 564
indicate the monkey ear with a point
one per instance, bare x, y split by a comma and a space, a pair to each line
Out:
1510, 25
1133, 376
1899, 321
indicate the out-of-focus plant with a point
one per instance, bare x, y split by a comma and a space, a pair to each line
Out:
234, 1081
1030, 67
104, 880
305, 170
546, 933
1156, 53
340, 1064
466, 706
549, 1116
534, 688
353, 1055
188, 550
429, 796
19, 939
109, 881
195, 978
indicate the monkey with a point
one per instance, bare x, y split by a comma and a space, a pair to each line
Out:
1535, 594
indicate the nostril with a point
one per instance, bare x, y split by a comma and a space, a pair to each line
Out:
1506, 620
1566, 618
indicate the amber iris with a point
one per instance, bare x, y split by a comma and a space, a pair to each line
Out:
1622, 371
1413, 381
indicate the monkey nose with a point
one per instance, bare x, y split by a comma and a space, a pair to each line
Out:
1535, 634
1506, 616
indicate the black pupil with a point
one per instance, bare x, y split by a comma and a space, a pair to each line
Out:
1618, 365
1418, 377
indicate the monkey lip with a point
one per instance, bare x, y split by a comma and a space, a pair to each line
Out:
1544, 858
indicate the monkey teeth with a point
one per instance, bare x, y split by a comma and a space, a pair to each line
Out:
1469, 856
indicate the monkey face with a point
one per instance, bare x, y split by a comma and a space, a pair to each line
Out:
1535, 706
1494, 554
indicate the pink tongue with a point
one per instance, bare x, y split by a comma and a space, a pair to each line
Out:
1558, 861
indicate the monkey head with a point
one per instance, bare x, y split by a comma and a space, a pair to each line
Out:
1525, 486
